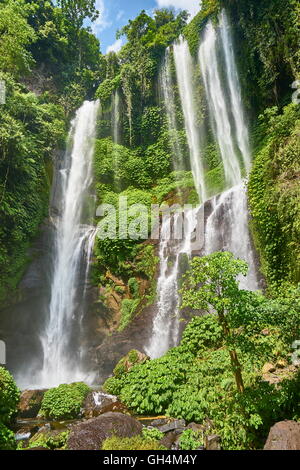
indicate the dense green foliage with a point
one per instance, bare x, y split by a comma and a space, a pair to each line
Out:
274, 191
9, 398
64, 402
190, 440
49, 63
195, 381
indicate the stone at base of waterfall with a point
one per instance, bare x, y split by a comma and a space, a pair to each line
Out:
169, 440
177, 425
98, 403
213, 442
90, 435
131, 359
30, 403
284, 435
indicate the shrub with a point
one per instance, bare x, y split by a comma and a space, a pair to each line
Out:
7, 438
65, 401
9, 397
190, 440
152, 434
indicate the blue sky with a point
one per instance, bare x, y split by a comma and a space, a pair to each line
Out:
116, 13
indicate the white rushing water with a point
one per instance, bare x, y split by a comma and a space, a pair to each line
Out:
166, 323
226, 227
73, 249
227, 230
218, 107
242, 134
184, 71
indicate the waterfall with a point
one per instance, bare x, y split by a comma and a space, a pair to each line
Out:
168, 99
242, 134
184, 70
226, 224
73, 248
227, 230
166, 323
218, 106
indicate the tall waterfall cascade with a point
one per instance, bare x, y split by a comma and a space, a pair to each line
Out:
74, 237
184, 70
226, 226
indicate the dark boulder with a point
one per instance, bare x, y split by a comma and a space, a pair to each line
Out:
168, 440
30, 403
284, 435
90, 435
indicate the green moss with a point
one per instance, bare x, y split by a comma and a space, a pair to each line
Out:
131, 443
128, 310
49, 440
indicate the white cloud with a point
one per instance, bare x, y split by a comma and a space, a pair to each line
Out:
120, 15
115, 47
102, 22
192, 6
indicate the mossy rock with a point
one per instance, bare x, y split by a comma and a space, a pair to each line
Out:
49, 439
131, 443
64, 402
131, 359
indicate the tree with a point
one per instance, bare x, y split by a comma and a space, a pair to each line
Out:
212, 285
77, 11
15, 36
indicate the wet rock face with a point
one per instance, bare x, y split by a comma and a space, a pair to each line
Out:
98, 403
30, 403
90, 435
284, 435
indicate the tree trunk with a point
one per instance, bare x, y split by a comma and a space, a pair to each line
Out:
237, 370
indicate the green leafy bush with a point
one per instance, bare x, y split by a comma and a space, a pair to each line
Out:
7, 438
152, 434
190, 440
9, 397
64, 402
